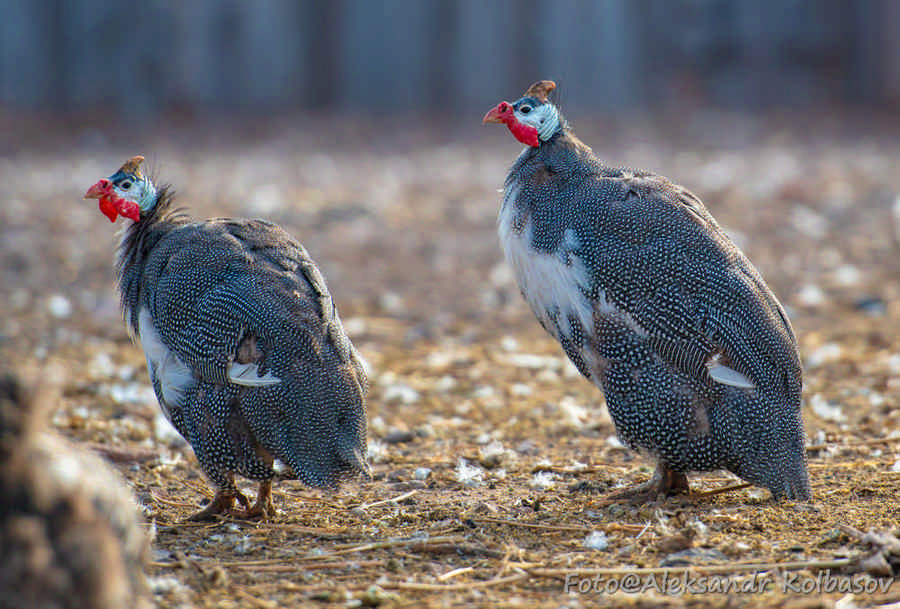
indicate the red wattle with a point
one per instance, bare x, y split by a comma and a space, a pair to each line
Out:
526, 134
128, 209
108, 209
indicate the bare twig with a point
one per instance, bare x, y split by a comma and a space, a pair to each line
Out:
535, 525
454, 573
118, 454
489, 583
169, 502
327, 533
258, 603
393, 543
720, 490
644, 530
275, 568
399, 498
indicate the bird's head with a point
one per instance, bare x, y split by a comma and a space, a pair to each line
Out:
127, 192
532, 119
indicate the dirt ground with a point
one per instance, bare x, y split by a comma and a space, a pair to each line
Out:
481, 435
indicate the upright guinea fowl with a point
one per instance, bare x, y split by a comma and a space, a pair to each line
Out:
244, 346
652, 302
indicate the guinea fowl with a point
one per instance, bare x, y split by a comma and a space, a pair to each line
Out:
652, 302
245, 350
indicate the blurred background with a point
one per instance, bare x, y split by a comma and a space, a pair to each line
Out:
145, 59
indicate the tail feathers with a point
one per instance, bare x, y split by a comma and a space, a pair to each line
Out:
355, 459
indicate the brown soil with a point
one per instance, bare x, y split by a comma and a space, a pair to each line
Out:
402, 222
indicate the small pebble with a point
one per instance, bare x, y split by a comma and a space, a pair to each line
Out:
421, 473
872, 306
399, 436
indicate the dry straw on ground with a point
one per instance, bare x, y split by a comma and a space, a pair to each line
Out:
491, 456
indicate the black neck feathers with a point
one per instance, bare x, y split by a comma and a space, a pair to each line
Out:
136, 242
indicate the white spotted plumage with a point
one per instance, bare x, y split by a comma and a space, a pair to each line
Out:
652, 302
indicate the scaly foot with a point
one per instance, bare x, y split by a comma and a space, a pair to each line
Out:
263, 508
665, 482
221, 503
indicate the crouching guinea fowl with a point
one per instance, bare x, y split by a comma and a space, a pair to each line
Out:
245, 349
652, 302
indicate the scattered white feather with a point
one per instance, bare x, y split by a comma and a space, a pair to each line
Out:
242, 545
469, 475
101, 366
520, 390
421, 473
847, 275
893, 363
391, 303
130, 393
59, 306
399, 392
828, 352
896, 466
534, 362
825, 409
543, 481
483, 392
377, 451
166, 584
596, 540
578, 466
509, 344
264, 200
355, 326
811, 295
445, 384
614, 442
809, 222
377, 426
574, 413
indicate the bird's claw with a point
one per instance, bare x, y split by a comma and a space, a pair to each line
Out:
222, 503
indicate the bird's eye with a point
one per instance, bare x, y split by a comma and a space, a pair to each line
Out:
525, 109
125, 185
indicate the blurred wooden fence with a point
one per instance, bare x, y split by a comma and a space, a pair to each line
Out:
386, 56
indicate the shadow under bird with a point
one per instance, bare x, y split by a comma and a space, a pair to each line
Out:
244, 346
652, 302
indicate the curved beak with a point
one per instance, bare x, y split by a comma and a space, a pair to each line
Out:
98, 190
499, 114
